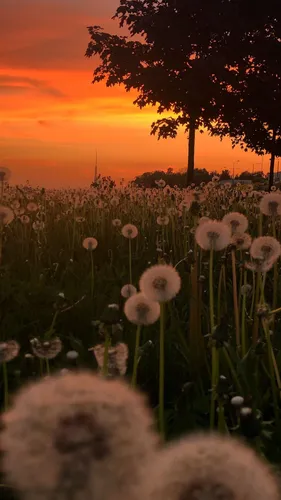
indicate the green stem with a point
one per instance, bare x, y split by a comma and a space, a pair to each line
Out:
232, 370
92, 274
271, 369
235, 299
6, 388
130, 261
275, 271
214, 348
162, 370
136, 357
47, 366
243, 332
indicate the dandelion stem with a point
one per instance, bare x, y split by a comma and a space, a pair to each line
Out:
232, 370
92, 274
271, 368
275, 272
243, 332
256, 319
136, 357
214, 348
235, 299
162, 370
47, 366
6, 388
130, 261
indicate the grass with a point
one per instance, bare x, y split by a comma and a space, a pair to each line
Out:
51, 286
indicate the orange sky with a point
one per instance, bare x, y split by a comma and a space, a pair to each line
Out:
53, 119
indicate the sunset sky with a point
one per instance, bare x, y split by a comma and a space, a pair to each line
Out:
53, 119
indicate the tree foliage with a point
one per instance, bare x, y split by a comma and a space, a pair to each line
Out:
210, 64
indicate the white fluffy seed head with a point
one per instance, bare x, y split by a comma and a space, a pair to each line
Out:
140, 310
266, 248
237, 222
270, 204
78, 436
209, 467
242, 241
90, 243
128, 290
129, 231
213, 234
160, 283
6, 215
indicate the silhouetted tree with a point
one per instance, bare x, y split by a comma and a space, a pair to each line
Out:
177, 64
225, 175
252, 85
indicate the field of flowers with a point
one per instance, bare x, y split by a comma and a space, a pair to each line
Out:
177, 290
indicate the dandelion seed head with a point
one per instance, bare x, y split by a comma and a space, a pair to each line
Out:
32, 206
129, 231
140, 310
86, 434
270, 204
6, 215
25, 219
116, 223
128, 290
266, 248
46, 350
209, 467
160, 283
213, 234
242, 241
90, 243
162, 220
237, 222
8, 350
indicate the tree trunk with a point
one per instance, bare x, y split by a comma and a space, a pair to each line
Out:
191, 150
272, 162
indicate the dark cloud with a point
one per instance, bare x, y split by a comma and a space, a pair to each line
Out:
12, 90
44, 123
10, 84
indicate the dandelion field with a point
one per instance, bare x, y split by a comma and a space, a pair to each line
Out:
200, 334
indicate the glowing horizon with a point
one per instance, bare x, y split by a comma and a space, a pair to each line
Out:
53, 119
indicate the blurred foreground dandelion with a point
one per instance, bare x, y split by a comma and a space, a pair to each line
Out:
209, 467
92, 438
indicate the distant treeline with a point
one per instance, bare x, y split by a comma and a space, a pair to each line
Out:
147, 179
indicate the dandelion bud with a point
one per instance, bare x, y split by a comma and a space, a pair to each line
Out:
72, 355
237, 401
